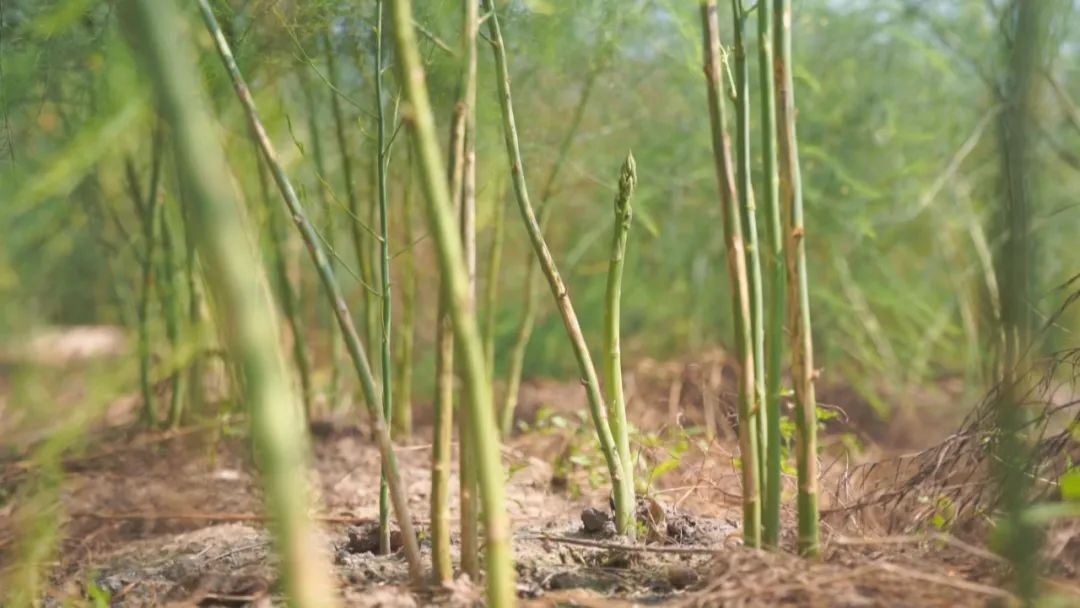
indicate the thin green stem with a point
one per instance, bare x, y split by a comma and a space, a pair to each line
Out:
444, 382
517, 353
737, 273
774, 329
501, 590
196, 313
384, 274
355, 225
442, 445
749, 222
148, 206
624, 502
528, 315
333, 291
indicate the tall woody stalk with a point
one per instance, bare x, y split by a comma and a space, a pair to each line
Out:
333, 291
169, 60
501, 590
749, 220
624, 495
616, 403
528, 315
384, 274
470, 543
802, 344
774, 329
737, 273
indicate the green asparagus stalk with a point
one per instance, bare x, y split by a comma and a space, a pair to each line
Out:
372, 272
737, 272
616, 402
170, 61
501, 590
749, 222
802, 344
774, 329
470, 542
333, 291
351, 197
384, 274
442, 445
624, 498
1018, 536
444, 381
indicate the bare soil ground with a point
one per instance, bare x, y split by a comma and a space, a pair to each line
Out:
175, 519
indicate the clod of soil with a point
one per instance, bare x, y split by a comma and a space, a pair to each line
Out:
365, 539
651, 514
681, 576
598, 522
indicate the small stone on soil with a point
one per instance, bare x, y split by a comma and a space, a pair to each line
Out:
680, 576
593, 521
365, 539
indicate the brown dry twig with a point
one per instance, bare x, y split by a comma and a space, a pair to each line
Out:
937, 579
947, 539
596, 544
214, 517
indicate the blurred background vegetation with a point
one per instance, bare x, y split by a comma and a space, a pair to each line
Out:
897, 117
